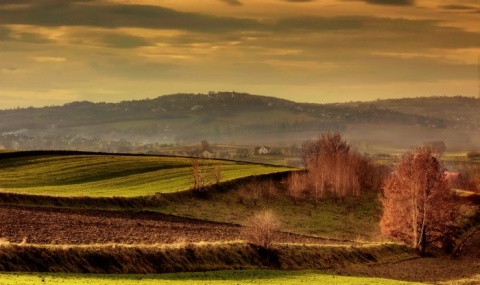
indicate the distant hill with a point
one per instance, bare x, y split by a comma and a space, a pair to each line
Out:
236, 118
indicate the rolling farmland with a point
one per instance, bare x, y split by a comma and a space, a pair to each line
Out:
101, 175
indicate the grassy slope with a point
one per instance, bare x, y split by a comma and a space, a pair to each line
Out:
217, 278
354, 219
111, 175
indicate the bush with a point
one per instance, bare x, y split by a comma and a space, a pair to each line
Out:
262, 228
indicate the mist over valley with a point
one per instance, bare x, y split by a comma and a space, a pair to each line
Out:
165, 123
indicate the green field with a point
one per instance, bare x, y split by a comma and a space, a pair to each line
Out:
217, 278
113, 175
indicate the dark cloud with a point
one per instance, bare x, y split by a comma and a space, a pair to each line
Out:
14, 2
232, 2
77, 13
6, 34
320, 24
108, 38
118, 40
42, 2
360, 35
461, 8
391, 2
458, 7
299, 1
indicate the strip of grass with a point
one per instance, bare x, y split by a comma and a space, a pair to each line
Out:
97, 175
216, 278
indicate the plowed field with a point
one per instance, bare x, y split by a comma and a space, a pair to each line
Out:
68, 226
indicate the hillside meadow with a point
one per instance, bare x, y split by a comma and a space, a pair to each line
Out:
108, 175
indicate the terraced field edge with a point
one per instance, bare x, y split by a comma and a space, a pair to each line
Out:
124, 259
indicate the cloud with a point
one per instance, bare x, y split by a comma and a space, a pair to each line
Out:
73, 13
108, 38
14, 2
49, 59
4, 33
299, 1
457, 7
320, 23
460, 8
118, 40
7, 34
232, 2
391, 2
135, 45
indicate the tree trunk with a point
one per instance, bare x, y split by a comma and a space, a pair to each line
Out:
423, 242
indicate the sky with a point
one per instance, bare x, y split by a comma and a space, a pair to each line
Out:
321, 51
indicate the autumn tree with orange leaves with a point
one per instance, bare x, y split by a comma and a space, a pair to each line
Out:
418, 206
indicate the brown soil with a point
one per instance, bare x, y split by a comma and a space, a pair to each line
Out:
71, 226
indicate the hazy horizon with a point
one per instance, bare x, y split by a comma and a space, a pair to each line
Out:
58, 51
113, 101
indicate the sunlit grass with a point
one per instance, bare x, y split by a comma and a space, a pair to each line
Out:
196, 278
113, 175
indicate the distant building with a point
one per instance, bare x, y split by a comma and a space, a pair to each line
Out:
208, 154
263, 150
223, 154
242, 152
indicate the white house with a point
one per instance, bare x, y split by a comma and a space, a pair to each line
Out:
208, 154
264, 150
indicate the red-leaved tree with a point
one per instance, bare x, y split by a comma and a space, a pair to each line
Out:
418, 206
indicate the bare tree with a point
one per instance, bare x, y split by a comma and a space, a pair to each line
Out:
295, 185
418, 206
250, 193
262, 228
198, 173
438, 147
217, 174
333, 168
269, 190
204, 145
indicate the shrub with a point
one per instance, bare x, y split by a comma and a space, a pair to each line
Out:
261, 229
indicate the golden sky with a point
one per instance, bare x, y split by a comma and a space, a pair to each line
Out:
57, 51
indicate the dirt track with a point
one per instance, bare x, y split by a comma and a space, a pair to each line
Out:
68, 226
